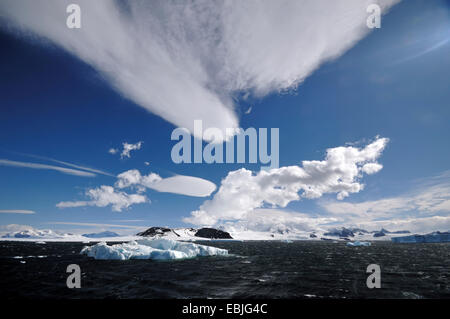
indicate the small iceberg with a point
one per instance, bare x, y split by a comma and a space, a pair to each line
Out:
158, 249
358, 243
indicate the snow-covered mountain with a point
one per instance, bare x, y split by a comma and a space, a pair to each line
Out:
36, 234
169, 233
230, 233
274, 233
32, 234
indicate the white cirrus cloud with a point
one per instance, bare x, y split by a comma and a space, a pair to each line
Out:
186, 60
77, 166
84, 168
65, 170
179, 184
434, 199
277, 221
242, 191
17, 211
424, 208
107, 196
416, 224
95, 225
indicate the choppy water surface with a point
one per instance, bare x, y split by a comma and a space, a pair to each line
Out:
302, 269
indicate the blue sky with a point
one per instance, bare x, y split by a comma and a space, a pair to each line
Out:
391, 83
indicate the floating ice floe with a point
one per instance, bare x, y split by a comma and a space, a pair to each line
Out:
159, 249
358, 243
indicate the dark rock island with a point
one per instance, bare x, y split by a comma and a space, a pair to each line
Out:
155, 231
212, 233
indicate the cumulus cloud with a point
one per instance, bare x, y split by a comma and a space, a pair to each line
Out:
64, 170
115, 197
372, 168
423, 210
187, 60
127, 148
113, 151
105, 196
242, 191
179, 184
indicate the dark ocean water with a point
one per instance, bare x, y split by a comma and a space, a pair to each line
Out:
302, 269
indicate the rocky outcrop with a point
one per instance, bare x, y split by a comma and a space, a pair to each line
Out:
343, 232
212, 233
156, 231
185, 233
384, 232
379, 234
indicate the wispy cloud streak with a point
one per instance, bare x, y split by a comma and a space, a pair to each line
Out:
70, 171
95, 225
45, 158
16, 211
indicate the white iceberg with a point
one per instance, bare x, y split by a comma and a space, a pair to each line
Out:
158, 249
358, 243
